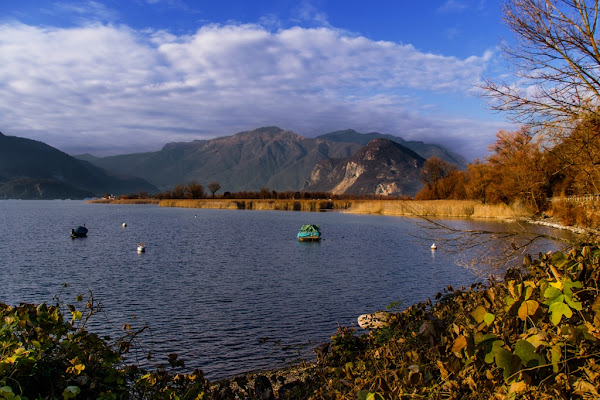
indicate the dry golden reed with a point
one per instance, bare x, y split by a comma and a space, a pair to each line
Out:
429, 208
124, 201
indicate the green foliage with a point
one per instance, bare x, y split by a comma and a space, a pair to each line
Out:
535, 335
45, 355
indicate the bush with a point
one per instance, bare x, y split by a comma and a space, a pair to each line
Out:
536, 335
42, 355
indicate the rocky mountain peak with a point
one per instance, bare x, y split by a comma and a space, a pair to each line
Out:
381, 167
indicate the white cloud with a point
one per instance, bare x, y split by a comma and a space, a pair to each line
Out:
104, 88
86, 10
453, 6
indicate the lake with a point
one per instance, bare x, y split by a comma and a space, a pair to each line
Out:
228, 290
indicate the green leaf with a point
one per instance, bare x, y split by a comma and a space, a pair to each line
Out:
555, 355
366, 395
479, 314
489, 318
526, 352
509, 362
552, 293
480, 338
490, 344
503, 357
569, 285
558, 259
537, 340
4, 390
509, 301
574, 304
71, 392
558, 309
528, 292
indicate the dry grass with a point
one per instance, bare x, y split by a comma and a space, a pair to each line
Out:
253, 204
438, 209
124, 201
429, 208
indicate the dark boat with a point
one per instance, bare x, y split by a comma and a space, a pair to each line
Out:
309, 233
80, 231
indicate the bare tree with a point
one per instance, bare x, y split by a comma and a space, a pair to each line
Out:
213, 187
557, 61
434, 170
194, 190
178, 192
578, 156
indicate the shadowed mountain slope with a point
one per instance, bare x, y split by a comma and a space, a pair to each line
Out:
251, 160
33, 170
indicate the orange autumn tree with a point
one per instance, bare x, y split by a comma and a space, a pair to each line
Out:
518, 170
442, 181
578, 157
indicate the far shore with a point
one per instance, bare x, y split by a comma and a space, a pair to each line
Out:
392, 207
124, 201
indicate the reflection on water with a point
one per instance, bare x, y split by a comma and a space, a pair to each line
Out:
228, 290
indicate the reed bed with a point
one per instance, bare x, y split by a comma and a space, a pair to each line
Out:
410, 208
253, 204
124, 201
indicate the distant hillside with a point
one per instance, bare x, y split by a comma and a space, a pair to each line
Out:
251, 160
265, 157
381, 167
425, 150
33, 170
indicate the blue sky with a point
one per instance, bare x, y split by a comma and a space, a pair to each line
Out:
125, 76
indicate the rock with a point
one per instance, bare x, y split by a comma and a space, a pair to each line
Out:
376, 320
263, 389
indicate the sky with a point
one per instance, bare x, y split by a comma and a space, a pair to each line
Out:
127, 76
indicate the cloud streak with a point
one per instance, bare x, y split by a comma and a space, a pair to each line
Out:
103, 88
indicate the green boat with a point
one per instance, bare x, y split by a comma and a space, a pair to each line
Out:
309, 233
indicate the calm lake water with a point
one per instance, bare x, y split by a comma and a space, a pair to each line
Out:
229, 291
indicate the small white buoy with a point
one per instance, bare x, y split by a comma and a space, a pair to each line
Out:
124, 225
141, 247
195, 216
433, 247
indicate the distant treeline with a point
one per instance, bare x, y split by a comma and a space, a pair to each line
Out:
194, 190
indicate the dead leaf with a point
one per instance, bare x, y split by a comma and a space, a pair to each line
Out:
459, 344
527, 308
517, 387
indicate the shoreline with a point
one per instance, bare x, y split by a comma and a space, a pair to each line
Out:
123, 201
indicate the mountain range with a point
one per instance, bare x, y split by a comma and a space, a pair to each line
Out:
341, 162
33, 170
265, 157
